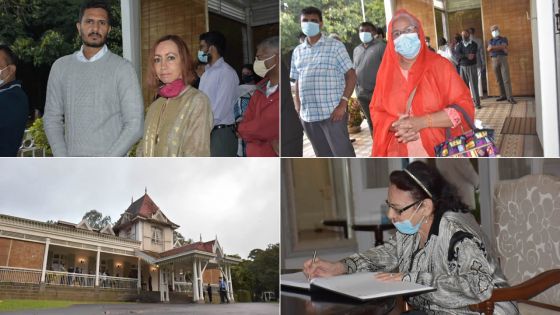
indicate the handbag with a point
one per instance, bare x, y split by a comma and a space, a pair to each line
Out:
473, 143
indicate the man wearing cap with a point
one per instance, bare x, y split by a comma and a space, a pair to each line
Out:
498, 49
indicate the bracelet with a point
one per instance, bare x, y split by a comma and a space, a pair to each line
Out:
345, 98
429, 120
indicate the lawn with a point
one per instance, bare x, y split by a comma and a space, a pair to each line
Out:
17, 305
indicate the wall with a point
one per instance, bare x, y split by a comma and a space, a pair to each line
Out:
460, 20
211, 276
21, 254
424, 11
511, 16
186, 18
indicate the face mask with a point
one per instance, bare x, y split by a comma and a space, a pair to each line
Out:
260, 67
310, 28
408, 45
172, 89
365, 37
495, 33
1, 80
202, 56
406, 227
246, 78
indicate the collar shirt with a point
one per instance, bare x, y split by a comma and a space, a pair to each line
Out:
319, 70
220, 83
81, 57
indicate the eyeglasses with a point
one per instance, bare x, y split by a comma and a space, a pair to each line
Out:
408, 30
400, 211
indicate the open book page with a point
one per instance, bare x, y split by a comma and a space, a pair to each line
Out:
364, 286
295, 280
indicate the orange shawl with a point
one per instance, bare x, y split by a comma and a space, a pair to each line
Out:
438, 86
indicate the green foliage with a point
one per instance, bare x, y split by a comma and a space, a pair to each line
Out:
242, 296
339, 16
38, 133
96, 220
259, 273
178, 237
355, 116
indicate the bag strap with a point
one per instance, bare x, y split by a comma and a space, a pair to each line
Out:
409, 101
465, 116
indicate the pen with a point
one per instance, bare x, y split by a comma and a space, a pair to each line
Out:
312, 262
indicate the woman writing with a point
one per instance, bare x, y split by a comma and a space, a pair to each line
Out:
179, 122
411, 71
438, 243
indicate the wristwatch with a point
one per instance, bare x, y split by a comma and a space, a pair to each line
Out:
345, 98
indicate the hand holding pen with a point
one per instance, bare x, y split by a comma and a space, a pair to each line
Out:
316, 267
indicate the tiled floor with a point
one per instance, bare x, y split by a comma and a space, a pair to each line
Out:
493, 114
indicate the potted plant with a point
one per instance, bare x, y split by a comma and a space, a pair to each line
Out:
355, 116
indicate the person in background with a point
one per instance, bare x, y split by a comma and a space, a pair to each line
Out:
445, 51
467, 51
198, 72
498, 49
179, 121
94, 104
14, 105
438, 243
367, 59
209, 291
260, 123
409, 69
246, 89
427, 38
480, 60
220, 83
324, 80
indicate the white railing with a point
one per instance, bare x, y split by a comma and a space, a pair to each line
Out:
69, 279
20, 275
108, 282
182, 287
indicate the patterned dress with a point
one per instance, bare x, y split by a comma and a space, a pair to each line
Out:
456, 260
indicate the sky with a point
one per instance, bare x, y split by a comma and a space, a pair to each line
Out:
236, 199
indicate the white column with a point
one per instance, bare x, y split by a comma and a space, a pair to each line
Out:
200, 286
195, 282
230, 283
45, 257
389, 11
139, 286
130, 21
173, 276
160, 284
97, 266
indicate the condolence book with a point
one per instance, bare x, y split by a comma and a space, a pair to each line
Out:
361, 286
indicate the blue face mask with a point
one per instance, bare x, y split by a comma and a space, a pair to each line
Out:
310, 28
406, 227
202, 56
365, 37
407, 45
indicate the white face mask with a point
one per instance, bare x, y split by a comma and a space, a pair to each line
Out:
260, 68
495, 33
2, 80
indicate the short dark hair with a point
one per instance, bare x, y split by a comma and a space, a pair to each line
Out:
312, 10
11, 57
95, 4
216, 39
369, 24
442, 41
471, 30
380, 31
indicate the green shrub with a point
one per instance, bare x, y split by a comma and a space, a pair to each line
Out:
38, 133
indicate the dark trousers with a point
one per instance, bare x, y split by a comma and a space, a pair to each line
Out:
330, 138
364, 104
292, 147
210, 296
223, 142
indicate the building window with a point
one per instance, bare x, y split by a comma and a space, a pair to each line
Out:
156, 236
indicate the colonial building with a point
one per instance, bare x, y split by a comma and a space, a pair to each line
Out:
134, 259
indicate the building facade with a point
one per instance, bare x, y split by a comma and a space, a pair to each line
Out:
135, 259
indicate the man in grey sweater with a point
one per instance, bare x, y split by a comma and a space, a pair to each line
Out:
94, 105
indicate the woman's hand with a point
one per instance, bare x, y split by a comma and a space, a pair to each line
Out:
321, 268
385, 276
407, 128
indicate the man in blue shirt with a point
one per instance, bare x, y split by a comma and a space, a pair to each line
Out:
219, 82
14, 106
498, 49
324, 79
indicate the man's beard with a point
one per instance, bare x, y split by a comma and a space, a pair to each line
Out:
93, 44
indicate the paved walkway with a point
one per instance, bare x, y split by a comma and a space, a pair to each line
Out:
493, 115
160, 309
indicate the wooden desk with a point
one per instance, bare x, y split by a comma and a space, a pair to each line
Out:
301, 304
377, 229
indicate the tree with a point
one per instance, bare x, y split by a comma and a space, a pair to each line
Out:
178, 237
96, 220
339, 16
259, 272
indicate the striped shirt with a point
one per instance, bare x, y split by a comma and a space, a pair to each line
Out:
319, 70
